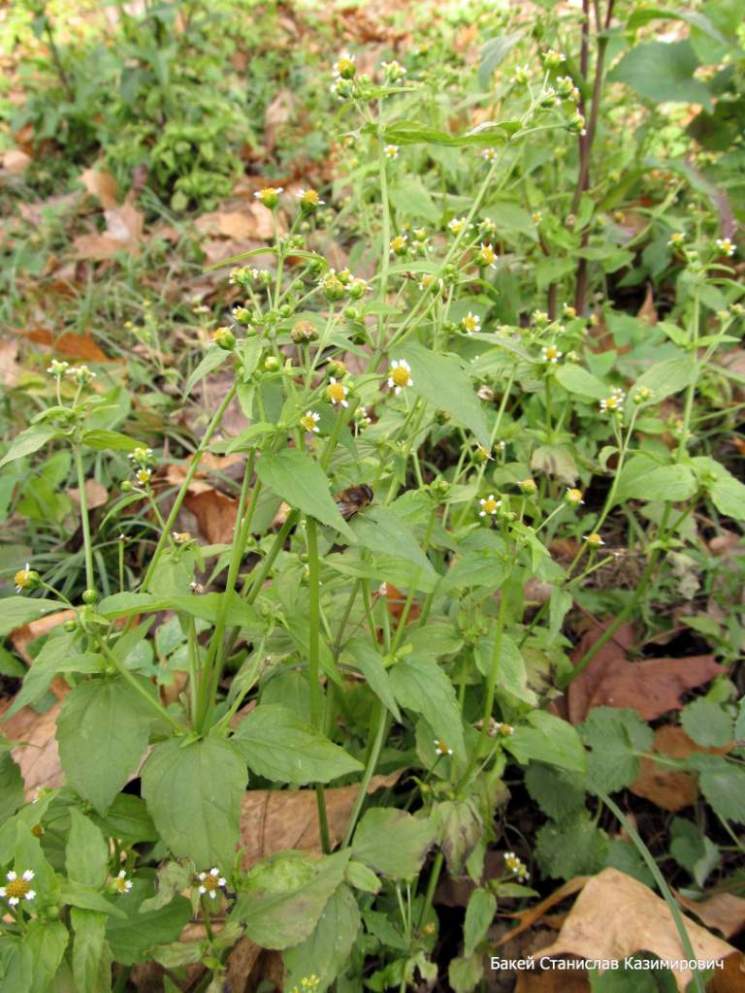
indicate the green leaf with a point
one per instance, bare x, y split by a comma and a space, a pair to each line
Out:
393, 842
370, 663
413, 133
642, 478
280, 747
662, 72
494, 52
723, 785
57, 655
460, 828
102, 731
558, 793
193, 792
91, 955
15, 611
548, 739
577, 380
208, 606
442, 381
614, 736
482, 906
85, 898
667, 377
420, 685
110, 441
643, 15
283, 898
28, 442
16, 965
86, 852
411, 198
465, 973
213, 358
513, 676
556, 460
11, 783
571, 848
382, 530
299, 480
326, 951
362, 878
132, 937
706, 723
46, 941
727, 493
127, 818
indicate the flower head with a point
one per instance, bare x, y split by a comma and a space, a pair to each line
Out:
725, 246
399, 375
528, 485
17, 887
144, 476
181, 537
471, 323
309, 421
676, 239
210, 883
573, 497
336, 393
81, 374
486, 256
441, 747
344, 67
551, 354
309, 201
594, 540
516, 866
489, 506
488, 154
569, 312
399, 244
456, 225
392, 71
26, 579
58, 368
614, 403
391, 151
269, 196
505, 730
121, 884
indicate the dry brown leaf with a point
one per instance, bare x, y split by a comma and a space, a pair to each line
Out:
254, 220
724, 912
529, 917
15, 162
9, 370
36, 754
22, 637
101, 185
96, 494
275, 820
69, 344
670, 789
215, 513
648, 312
552, 981
616, 916
278, 112
124, 227
652, 687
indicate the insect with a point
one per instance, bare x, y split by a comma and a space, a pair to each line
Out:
354, 499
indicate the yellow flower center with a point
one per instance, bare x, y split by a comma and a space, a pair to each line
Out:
401, 376
307, 422
17, 889
574, 496
310, 198
336, 392
594, 539
211, 883
490, 505
22, 578
552, 352
488, 255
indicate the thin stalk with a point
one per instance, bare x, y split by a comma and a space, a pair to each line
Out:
84, 520
378, 728
314, 662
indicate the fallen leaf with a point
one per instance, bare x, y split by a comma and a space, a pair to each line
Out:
254, 220
9, 370
276, 820
616, 916
670, 789
648, 312
101, 185
277, 113
97, 494
215, 513
69, 344
724, 912
553, 981
36, 752
124, 227
529, 917
396, 603
652, 687
15, 162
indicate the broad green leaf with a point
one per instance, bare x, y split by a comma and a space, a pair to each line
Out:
11, 783
91, 955
86, 852
28, 442
642, 478
722, 784
466, 972
494, 52
57, 655
662, 72
576, 379
482, 906
574, 847
370, 663
706, 723
421, 685
382, 530
132, 937
47, 941
193, 792
442, 381
283, 898
413, 133
362, 878
552, 270
614, 736
667, 377
127, 818
102, 732
556, 460
280, 747
643, 15
114, 441
15, 611
238, 613
512, 676
558, 793
86, 898
548, 739
16, 965
411, 198
326, 951
300, 480
393, 842
460, 827
727, 493
213, 358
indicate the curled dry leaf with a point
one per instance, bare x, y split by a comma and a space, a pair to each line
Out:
616, 916
527, 918
724, 912
275, 820
95, 492
73, 346
652, 687
124, 233
253, 220
670, 789
36, 752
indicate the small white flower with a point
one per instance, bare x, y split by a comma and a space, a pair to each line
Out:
18, 888
614, 403
391, 151
489, 506
594, 540
441, 747
400, 375
211, 882
309, 421
471, 323
121, 884
336, 393
551, 354
488, 154
725, 246
456, 225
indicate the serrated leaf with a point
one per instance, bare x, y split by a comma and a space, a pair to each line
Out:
723, 785
15, 611
370, 663
382, 530
706, 723
667, 377
28, 442
193, 793
614, 736
644, 479
549, 739
558, 793
494, 52
393, 842
276, 744
138, 931
86, 852
299, 480
326, 951
91, 955
420, 685
662, 72
572, 848
578, 380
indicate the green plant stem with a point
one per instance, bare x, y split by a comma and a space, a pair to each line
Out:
434, 878
130, 678
670, 900
253, 583
315, 689
84, 519
190, 473
378, 729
